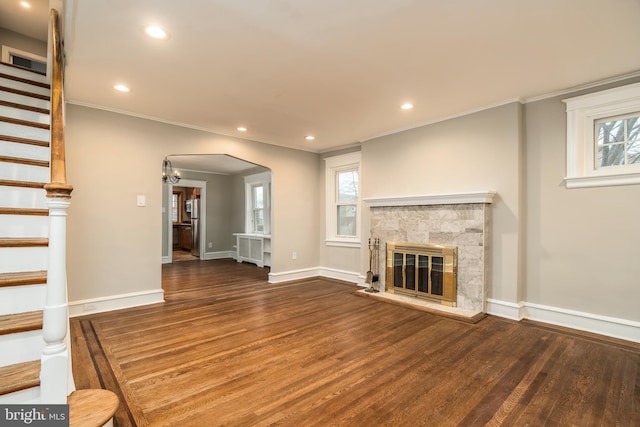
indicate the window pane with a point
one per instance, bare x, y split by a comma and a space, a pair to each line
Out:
610, 132
174, 208
611, 155
633, 129
633, 152
347, 186
346, 221
258, 199
258, 220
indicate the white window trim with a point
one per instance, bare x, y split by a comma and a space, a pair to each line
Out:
263, 178
582, 113
8, 52
333, 165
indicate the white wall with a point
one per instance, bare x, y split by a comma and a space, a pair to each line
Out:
115, 246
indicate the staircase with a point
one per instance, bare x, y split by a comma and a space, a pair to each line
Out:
24, 230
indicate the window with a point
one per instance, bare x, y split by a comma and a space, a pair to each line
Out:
343, 200
176, 211
618, 141
24, 59
258, 206
603, 138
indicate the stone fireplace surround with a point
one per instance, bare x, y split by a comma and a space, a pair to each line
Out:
459, 219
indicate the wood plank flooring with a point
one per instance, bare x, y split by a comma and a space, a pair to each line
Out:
228, 348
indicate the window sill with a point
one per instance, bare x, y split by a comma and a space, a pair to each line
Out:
602, 180
342, 243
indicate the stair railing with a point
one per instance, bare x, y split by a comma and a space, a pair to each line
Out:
55, 375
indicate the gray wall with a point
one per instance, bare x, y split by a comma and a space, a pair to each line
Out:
476, 152
18, 41
114, 247
582, 244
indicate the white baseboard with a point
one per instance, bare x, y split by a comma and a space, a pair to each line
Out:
166, 260
588, 322
305, 273
509, 310
218, 255
115, 302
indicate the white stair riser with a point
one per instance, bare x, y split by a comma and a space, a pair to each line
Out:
15, 149
25, 226
13, 71
17, 197
30, 396
20, 172
21, 114
16, 260
21, 299
24, 100
28, 132
21, 347
25, 87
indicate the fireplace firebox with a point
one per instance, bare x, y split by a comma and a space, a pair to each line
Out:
422, 270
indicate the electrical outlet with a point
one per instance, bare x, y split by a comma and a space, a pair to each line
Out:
210, 245
294, 255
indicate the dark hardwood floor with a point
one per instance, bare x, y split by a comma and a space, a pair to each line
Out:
228, 348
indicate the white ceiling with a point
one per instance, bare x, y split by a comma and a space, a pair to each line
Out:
338, 69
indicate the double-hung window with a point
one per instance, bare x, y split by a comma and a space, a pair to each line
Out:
343, 200
603, 138
258, 203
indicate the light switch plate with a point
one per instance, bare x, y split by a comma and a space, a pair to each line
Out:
141, 200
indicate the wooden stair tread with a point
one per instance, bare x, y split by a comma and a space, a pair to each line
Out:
23, 184
20, 376
93, 407
24, 107
23, 80
27, 141
21, 122
19, 242
24, 211
24, 93
23, 278
24, 161
20, 322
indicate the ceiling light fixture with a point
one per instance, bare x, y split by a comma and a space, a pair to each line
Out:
406, 106
241, 128
121, 88
309, 137
156, 32
25, 4
168, 174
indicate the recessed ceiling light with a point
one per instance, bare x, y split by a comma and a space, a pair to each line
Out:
406, 106
25, 4
309, 137
156, 32
122, 88
242, 128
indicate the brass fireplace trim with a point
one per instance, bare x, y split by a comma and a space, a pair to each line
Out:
450, 267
